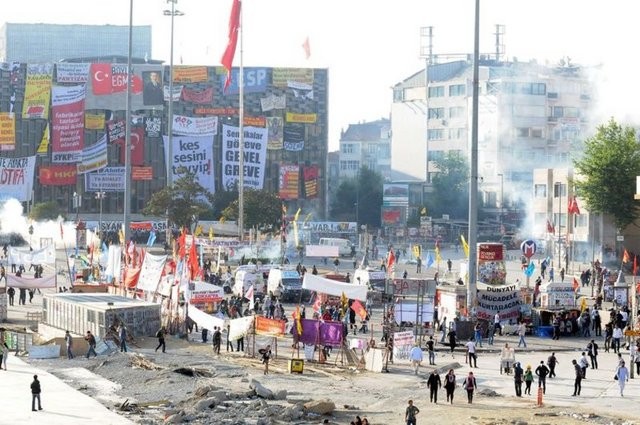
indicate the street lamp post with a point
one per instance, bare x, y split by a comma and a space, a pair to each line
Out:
100, 196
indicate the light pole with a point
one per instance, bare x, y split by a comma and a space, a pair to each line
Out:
501, 198
77, 201
100, 196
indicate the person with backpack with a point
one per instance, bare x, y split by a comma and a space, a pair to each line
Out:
160, 335
470, 385
542, 371
450, 385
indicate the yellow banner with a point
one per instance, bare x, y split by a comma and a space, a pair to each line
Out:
43, 149
190, 74
7, 131
37, 91
281, 76
270, 327
301, 118
94, 121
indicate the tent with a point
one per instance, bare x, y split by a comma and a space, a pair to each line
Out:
335, 288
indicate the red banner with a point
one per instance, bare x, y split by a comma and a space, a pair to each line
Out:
101, 77
390, 216
310, 181
270, 327
137, 147
142, 173
112, 78
227, 112
289, 181
198, 97
57, 175
490, 252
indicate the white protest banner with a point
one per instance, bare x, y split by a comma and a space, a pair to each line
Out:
239, 327
151, 271
177, 93
108, 179
255, 156
67, 123
190, 126
193, 154
273, 102
30, 282
402, 344
46, 255
114, 260
16, 178
94, 157
503, 299
205, 320
67, 72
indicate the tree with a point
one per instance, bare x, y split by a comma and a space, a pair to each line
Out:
262, 209
450, 186
359, 198
46, 211
184, 202
607, 172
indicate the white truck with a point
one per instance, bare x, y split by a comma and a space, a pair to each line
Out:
374, 279
345, 247
247, 276
285, 283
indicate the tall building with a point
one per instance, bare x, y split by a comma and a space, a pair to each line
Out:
529, 115
37, 43
366, 144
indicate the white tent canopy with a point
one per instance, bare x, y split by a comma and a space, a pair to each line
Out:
333, 287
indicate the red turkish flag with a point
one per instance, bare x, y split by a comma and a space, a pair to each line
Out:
137, 147
101, 78
230, 51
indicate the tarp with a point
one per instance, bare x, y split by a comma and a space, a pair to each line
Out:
203, 319
239, 327
46, 255
319, 332
151, 272
30, 282
335, 288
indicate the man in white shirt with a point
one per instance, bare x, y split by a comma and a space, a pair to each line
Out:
617, 337
522, 331
416, 357
471, 353
496, 323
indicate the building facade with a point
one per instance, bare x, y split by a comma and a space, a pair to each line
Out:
366, 145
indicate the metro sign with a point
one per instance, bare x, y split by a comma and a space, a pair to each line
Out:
528, 248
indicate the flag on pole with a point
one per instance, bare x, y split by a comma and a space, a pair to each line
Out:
152, 238
550, 227
250, 297
359, 309
61, 231
391, 259
344, 301
307, 48
297, 317
465, 246
530, 269
211, 233
429, 260
438, 257
573, 208
230, 51
625, 256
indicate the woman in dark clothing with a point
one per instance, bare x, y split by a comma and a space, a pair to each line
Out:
450, 385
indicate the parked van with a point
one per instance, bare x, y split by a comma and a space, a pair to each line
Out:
285, 284
248, 276
345, 247
374, 279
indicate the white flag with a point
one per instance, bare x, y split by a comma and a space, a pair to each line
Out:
249, 296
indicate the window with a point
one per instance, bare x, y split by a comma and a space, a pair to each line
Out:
436, 155
540, 191
456, 112
522, 132
437, 91
435, 134
525, 88
559, 190
398, 94
372, 149
456, 133
565, 112
349, 165
537, 133
347, 148
436, 113
457, 90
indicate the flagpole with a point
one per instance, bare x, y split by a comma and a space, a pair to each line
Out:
241, 136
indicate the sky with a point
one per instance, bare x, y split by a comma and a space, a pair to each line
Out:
371, 45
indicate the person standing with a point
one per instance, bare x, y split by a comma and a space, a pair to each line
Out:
418, 265
162, 332
449, 264
431, 351
542, 371
584, 365
528, 380
496, 323
216, 339
434, 383
617, 337
205, 335
577, 383
622, 376
416, 358
266, 356
477, 334
410, 414
12, 293
470, 385
443, 329
518, 375
452, 340
592, 348
471, 354
91, 340
552, 361
597, 323
450, 385
35, 393
229, 341
122, 335
68, 341
240, 344
522, 331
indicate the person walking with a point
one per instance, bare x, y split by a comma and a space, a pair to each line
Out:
470, 385
443, 329
240, 344
477, 334
418, 265
91, 340
162, 332
452, 340
577, 383
597, 323
205, 335
36, 389
552, 361
450, 385
416, 358
528, 380
122, 335
68, 341
592, 349
266, 356
518, 377
471, 354
522, 331
584, 365
410, 413
434, 383
496, 323
542, 371
229, 341
431, 350
622, 376
617, 337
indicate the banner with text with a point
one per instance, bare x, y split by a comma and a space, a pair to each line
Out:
293, 136
94, 157
16, 178
108, 87
109, 179
37, 91
289, 181
190, 74
152, 126
68, 72
282, 76
199, 97
275, 126
255, 156
58, 175
193, 154
192, 126
492, 268
273, 102
67, 123
24, 256
311, 174
503, 299
7, 131
254, 80
269, 327
301, 118
94, 121
151, 271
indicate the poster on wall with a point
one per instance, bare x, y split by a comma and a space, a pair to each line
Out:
289, 181
310, 174
67, 123
37, 91
492, 268
255, 156
94, 157
16, 178
192, 154
108, 86
7, 131
274, 126
108, 179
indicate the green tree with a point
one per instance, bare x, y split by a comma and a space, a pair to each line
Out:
450, 186
185, 201
360, 198
46, 211
607, 170
262, 209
